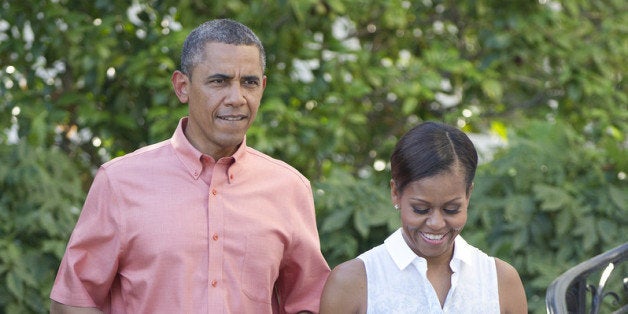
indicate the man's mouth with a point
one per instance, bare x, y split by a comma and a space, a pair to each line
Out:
232, 117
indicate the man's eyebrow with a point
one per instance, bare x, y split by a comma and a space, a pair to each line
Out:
229, 77
251, 78
219, 76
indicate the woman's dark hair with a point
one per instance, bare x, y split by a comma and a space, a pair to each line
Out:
429, 149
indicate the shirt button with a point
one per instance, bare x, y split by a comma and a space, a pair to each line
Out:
214, 283
214, 192
215, 237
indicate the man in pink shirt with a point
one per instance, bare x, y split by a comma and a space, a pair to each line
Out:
199, 223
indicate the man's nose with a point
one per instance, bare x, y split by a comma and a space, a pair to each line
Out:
235, 95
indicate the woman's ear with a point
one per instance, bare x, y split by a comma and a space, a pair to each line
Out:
470, 190
180, 83
394, 195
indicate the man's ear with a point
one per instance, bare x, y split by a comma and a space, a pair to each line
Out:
180, 83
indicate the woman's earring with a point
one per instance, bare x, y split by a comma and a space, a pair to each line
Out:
396, 207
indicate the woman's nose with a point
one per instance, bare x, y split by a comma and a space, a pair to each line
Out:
436, 220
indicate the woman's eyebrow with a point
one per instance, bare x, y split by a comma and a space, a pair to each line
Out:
417, 199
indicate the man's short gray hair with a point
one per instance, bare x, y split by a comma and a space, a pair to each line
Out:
224, 31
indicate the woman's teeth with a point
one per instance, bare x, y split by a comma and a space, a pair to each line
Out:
433, 236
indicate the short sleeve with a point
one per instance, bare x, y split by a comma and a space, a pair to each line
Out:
90, 262
304, 269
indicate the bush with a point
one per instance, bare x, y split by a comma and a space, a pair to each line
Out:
547, 202
39, 194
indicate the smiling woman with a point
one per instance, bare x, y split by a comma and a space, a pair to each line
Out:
426, 266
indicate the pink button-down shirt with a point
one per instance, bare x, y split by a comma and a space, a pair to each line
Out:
154, 237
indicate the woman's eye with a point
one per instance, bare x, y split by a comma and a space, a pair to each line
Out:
420, 211
452, 211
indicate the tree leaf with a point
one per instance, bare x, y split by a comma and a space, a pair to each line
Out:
552, 198
361, 223
15, 285
336, 220
619, 197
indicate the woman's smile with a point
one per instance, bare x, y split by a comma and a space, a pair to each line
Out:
432, 237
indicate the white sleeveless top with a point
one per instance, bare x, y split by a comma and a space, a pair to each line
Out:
397, 281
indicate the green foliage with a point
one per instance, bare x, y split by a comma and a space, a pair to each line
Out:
548, 202
40, 193
355, 215
345, 79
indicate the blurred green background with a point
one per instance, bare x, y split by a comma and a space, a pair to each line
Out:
539, 86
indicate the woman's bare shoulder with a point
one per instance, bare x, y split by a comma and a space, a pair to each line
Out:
512, 296
350, 271
345, 289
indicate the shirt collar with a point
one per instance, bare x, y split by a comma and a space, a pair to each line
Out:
191, 157
403, 255
399, 250
462, 253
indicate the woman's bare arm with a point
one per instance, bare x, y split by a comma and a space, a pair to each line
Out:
512, 296
345, 289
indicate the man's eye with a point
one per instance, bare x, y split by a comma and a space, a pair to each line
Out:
251, 82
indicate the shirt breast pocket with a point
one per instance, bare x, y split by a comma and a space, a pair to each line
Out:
262, 259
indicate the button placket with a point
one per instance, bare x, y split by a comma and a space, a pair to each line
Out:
215, 234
